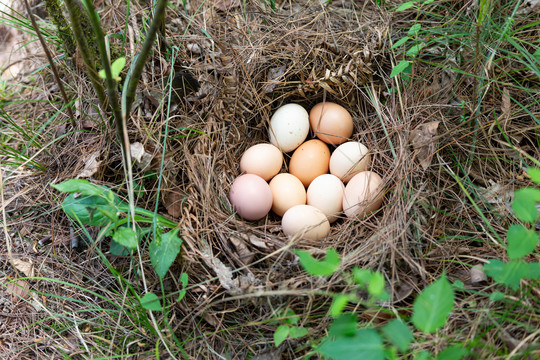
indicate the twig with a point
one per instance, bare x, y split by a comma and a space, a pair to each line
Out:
50, 59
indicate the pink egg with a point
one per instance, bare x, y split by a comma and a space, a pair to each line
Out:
363, 194
251, 197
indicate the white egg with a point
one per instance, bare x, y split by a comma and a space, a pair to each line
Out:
363, 195
349, 159
306, 220
289, 127
326, 193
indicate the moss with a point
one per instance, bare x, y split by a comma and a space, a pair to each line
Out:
64, 31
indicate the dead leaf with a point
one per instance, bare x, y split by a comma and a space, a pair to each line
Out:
505, 102
272, 354
529, 6
234, 286
245, 255
27, 268
141, 157
423, 142
225, 5
18, 290
255, 241
274, 75
91, 165
173, 203
477, 274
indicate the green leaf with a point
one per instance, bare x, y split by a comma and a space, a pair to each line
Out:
117, 66
102, 74
400, 42
509, 274
521, 241
361, 276
455, 352
281, 334
150, 301
345, 325
184, 282
415, 29
376, 284
338, 305
534, 173
496, 296
415, 49
126, 237
423, 355
296, 332
163, 250
405, 6
399, 68
86, 209
290, 317
366, 345
398, 333
458, 284
432, 307
82, 186
118, 250
324, 267
524, 204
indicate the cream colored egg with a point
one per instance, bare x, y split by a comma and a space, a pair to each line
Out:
349, 159
264, 160
363, 194
289, 127
326, 194
306, 220
287, 191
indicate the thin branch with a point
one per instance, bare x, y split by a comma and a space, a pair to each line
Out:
74, 14
51, 62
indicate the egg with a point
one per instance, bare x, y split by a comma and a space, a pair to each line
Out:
310, 160
289, 127
349, 159
306, 220
363, 194
331, 123
251, 197
326, 194
264, 160
287, 191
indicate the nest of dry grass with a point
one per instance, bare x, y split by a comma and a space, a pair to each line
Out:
249, 61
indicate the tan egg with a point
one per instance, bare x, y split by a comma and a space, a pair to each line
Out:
264, 160
349, 159
251, 197
331, 123
306, 220
363, 194
326, 194
287, 191
310, 160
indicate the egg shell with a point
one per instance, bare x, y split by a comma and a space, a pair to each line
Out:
306, 220
326, 193
251, 197
289, 127
331, 123
363, 194
264, 160
310, 160
287, 191
349, 159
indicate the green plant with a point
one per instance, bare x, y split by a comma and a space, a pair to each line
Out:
521, 240
90, 204
348, 339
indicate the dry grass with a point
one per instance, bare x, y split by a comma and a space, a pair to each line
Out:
339, 53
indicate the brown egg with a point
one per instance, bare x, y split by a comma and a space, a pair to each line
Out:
331, 123
310, 160
287, 191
